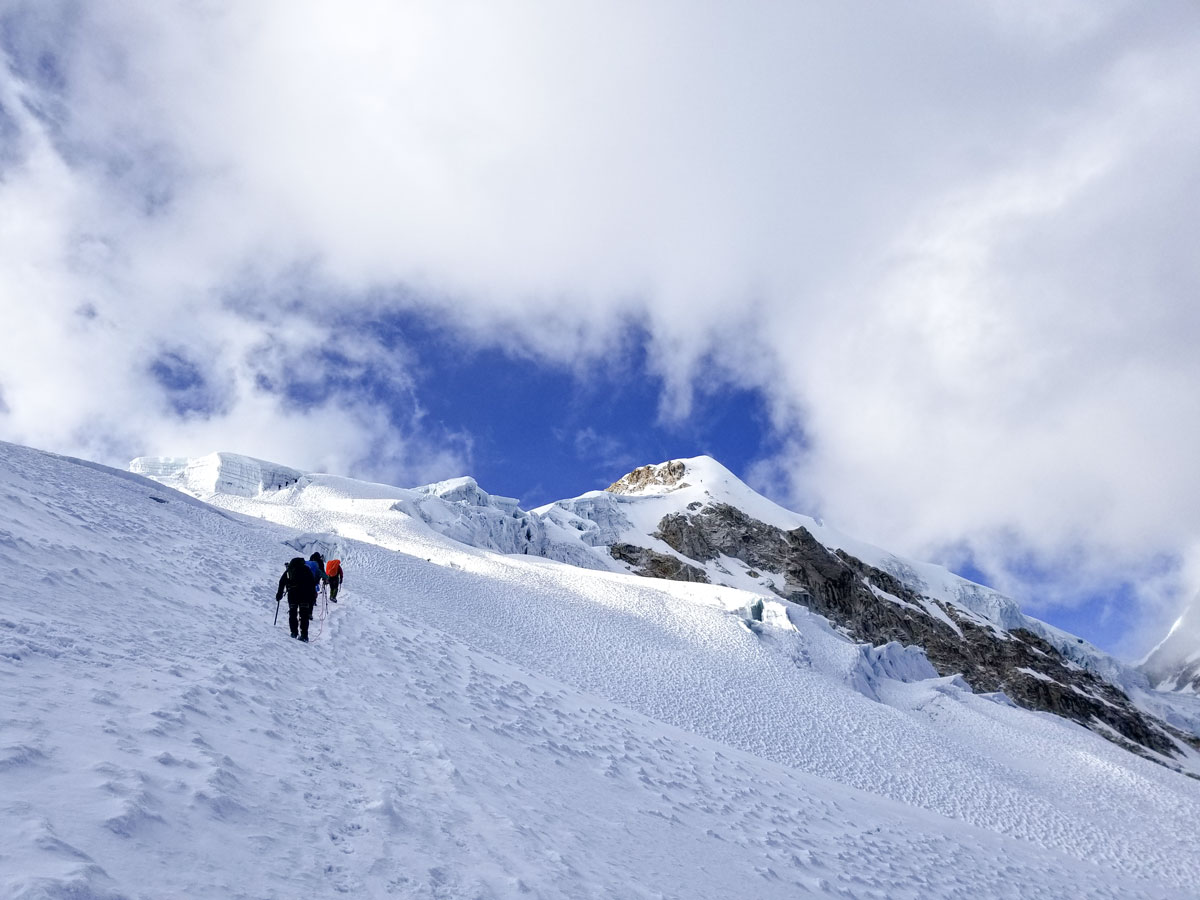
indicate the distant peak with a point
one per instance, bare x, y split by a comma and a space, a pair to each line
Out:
1175, 662
664, 477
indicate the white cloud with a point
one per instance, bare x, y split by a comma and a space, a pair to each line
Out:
952, 244
93, 295
1026, 359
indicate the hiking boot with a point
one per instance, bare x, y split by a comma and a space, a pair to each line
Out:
305, 639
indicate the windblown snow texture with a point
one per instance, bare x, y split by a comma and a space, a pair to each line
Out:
471, 724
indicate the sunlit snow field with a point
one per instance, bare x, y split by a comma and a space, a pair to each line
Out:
467, 724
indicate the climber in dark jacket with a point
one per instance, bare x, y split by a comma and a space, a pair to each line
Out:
301, 587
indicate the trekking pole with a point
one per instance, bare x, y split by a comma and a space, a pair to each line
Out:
276, 622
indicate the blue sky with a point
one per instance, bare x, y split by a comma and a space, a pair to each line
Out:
927, 271
543, 432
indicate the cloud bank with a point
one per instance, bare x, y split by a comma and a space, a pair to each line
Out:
952, 246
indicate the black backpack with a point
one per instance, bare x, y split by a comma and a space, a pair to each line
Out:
299, 575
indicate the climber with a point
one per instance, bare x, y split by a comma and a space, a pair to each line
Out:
316, 563
301, 587
334, 576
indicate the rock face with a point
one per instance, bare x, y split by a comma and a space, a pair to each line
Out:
668, 475
656, 565
876, 607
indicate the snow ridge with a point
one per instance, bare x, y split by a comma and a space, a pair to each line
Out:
227, 473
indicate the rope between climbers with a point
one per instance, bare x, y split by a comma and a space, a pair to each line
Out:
324, 611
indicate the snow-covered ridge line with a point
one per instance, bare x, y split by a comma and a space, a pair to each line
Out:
226, 473
457, 508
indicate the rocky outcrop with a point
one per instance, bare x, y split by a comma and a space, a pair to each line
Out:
656, 565
668, 475
876, 607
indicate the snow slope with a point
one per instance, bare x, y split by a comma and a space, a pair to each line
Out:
468, 724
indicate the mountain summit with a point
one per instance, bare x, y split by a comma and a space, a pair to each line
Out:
700, 471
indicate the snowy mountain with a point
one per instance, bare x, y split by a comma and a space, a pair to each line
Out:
469, 723
692, 520
1174, 665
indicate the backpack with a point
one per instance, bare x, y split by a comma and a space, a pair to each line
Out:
300, 576
333, 567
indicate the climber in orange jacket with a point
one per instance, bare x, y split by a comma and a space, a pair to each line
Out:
334, 576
